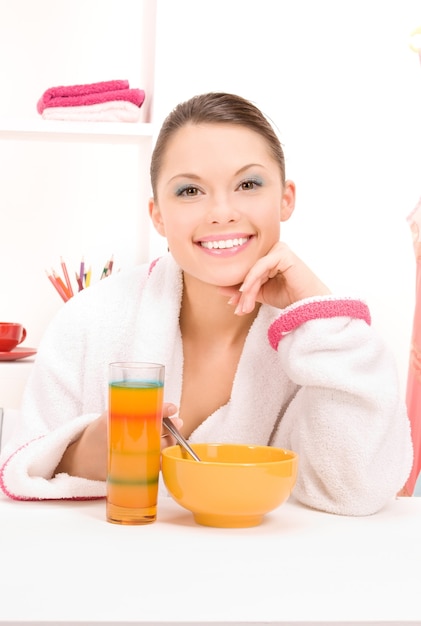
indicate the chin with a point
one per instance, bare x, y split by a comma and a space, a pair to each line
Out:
233, 280
223, 276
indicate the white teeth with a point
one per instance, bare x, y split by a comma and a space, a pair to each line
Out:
224, 243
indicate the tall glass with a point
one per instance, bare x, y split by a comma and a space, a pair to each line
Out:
136, 393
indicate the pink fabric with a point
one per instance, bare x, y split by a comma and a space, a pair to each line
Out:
413, 389
315, 308
152, 265
93, 93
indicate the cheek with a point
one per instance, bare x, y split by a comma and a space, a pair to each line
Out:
270, 231
271, 221
180, 223
178, 232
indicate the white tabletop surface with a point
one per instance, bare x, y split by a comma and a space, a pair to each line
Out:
61, 562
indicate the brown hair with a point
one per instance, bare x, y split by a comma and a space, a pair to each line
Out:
211, 108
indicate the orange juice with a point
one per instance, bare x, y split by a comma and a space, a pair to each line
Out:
134, 450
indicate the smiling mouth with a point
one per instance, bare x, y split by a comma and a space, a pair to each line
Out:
224, 243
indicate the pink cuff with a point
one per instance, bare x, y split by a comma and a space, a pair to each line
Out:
304, 311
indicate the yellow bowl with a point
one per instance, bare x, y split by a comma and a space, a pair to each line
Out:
234, 485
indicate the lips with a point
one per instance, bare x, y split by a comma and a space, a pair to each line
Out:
223, 244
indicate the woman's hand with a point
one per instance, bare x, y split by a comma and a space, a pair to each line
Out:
280, 278
87, 456
170, 410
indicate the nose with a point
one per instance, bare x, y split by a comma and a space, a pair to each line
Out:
222, 211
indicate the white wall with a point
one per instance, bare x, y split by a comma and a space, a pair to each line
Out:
344, 89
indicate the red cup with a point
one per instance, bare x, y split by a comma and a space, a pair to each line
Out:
11, 335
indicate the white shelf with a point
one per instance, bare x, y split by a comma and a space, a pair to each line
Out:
40, 127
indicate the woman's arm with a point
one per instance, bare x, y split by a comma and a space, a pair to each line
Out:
347, 421
87, 456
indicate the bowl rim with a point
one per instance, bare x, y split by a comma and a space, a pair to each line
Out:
291, 454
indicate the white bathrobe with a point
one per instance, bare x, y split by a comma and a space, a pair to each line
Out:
329, 392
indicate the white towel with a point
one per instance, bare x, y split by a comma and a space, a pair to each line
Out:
112, 111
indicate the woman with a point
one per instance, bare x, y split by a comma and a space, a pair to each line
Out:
256, 348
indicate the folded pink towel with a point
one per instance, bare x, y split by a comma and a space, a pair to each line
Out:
93, 93
113, 111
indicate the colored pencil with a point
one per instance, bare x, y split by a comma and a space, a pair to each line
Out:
57, 287
66, 277
88, 277
83, 278
110, 265
60, 282
82, 270
105, 271
79, 282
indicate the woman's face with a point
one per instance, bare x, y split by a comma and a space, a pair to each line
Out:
220, 200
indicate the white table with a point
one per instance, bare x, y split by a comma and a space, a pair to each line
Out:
61, 562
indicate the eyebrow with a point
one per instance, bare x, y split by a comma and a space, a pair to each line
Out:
196, 177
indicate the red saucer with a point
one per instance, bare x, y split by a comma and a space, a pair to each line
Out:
17, 353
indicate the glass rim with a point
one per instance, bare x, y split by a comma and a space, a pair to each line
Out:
136, 364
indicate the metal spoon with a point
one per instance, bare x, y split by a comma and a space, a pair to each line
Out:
179, 437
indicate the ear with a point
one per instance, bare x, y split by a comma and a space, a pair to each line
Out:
288, 200
156, 217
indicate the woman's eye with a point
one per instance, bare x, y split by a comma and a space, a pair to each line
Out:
250, 184
188, 191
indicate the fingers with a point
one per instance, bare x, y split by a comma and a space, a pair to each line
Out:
243, 297
279, 279
279, 260
265, 269
167, 440
170, 410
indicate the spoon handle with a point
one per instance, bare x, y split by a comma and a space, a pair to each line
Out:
179, 437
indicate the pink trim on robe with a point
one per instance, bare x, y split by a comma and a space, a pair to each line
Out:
296, 314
